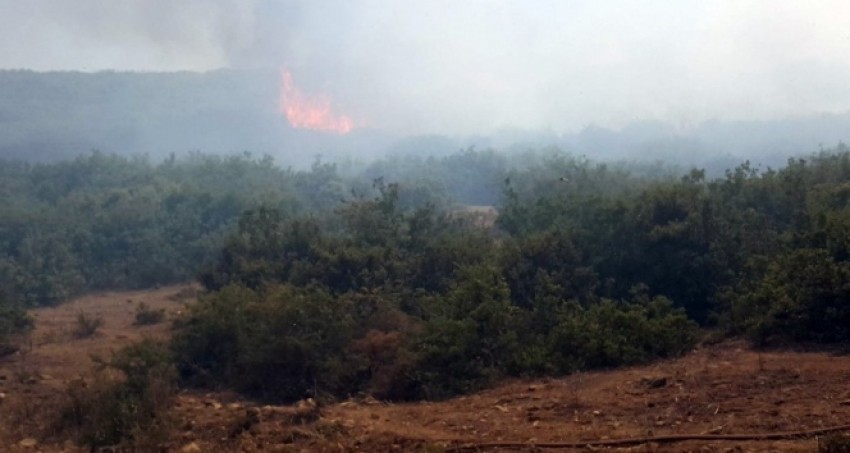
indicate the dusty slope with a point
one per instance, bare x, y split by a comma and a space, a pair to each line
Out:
721, 389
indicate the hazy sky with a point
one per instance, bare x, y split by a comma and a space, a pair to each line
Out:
448, 66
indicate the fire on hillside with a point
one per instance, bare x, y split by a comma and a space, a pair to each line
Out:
305, 111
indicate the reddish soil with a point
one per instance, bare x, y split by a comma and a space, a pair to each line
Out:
727, 388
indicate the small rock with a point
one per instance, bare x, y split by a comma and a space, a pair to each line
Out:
234, 406
29, 442
502, 408
212, 403
191, 448
534, 387
597, 413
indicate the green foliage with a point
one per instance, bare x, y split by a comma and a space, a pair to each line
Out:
108, 222
609, 334
321, 285
280, 344
803, 296
14, 321
127, 403
470, 335
86, 325
145, 315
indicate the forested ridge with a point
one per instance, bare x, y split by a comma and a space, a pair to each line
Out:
334, 281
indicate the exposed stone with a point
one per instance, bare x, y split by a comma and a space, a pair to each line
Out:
29, 442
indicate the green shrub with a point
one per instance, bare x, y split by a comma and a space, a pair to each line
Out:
86, 325
13, 321
280, 344
146, 316
128, 402
802, 297
609, 334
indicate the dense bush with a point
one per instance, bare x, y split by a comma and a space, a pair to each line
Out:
14, 321
127, 402
281, 343
145, 315
323, 285
86, 325
108, 222
407, 304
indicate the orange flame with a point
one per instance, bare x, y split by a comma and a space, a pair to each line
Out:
310, 112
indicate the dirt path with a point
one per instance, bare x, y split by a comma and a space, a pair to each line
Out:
722, 389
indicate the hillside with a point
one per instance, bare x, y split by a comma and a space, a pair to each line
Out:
716, 390
50, 116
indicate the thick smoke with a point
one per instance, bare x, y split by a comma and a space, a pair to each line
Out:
473, 66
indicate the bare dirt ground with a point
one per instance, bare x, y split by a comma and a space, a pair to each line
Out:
722, 389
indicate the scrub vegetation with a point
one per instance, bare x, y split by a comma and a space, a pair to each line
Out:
375, 279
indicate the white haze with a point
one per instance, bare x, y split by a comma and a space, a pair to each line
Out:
474, 66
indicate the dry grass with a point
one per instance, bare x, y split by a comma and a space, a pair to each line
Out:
34, 380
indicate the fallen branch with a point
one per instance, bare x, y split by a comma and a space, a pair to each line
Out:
474, 446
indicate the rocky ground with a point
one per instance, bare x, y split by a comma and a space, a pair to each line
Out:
717, 390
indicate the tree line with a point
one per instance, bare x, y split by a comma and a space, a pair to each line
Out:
329, 283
